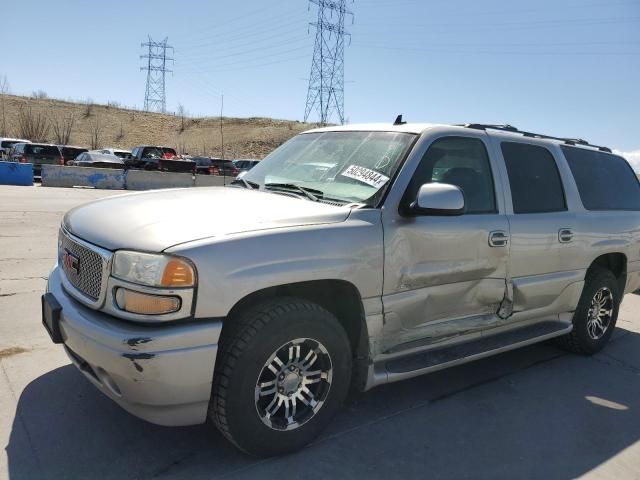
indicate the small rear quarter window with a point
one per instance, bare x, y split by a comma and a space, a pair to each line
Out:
605, 181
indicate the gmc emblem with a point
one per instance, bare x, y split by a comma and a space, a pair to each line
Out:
71, 262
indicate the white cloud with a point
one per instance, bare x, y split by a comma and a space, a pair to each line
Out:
633, 157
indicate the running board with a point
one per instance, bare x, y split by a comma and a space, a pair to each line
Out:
438, 359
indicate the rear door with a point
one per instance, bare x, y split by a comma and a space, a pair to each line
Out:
545, 267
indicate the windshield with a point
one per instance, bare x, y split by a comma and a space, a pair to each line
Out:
343, 166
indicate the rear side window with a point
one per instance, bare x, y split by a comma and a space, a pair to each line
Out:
605, 181
534, 179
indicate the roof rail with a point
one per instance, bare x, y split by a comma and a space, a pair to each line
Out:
512, 129
483, 126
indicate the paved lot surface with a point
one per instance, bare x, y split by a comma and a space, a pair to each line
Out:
532, 413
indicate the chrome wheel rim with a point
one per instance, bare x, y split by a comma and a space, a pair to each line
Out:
600, 313
293, 384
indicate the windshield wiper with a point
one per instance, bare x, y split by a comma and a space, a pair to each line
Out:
311, 193
245, 183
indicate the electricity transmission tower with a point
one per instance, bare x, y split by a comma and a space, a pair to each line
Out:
326, 82
154, 97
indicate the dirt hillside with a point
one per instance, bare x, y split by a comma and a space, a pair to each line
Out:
124, 128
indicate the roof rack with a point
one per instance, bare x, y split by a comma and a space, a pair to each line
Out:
512, 129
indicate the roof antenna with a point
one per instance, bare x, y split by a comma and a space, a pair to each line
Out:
399, 120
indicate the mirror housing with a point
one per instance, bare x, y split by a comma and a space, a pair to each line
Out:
440, 199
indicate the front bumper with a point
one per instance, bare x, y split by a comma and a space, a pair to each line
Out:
160, 373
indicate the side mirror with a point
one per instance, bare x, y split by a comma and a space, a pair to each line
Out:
438, 199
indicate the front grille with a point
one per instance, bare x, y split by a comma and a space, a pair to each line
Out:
85, 274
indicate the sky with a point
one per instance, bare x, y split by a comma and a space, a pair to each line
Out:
562, 67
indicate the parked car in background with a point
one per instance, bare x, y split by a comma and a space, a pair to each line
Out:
176, 165
145, 157
124, 154
204, 165
244, 165
70, 153
7, 143
224, 168
97, 160
36, 153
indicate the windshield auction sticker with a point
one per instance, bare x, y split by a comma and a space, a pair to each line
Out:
365, 175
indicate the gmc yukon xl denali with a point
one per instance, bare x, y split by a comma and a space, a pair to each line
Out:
415, 248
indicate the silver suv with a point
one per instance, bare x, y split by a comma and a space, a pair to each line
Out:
348, 258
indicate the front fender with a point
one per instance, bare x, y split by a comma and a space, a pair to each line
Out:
232, 267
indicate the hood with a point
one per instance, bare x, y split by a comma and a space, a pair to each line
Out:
154, 221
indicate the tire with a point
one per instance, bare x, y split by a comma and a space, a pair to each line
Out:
581, 339
249, 343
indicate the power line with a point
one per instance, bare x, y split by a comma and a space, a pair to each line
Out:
326, 81
155, 99
244, 61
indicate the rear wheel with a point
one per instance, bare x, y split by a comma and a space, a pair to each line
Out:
595, 317
283, 371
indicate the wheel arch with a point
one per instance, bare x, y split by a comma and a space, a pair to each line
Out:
616, 263
340, 297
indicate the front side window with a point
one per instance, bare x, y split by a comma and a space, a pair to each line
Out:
459, 161
605, 181
534, 178
347, 166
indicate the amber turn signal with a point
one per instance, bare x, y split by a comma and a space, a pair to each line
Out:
177, 273
144, 304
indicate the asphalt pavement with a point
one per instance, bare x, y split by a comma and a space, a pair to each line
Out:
537, 412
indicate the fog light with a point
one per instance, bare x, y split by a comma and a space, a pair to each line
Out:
145, 304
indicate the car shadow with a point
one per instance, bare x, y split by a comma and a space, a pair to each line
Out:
536, 412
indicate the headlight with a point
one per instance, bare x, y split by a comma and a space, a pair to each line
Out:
153, 269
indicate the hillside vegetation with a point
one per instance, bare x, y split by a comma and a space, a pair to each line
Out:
105, 126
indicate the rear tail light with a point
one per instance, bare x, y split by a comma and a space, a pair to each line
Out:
23, 159
214, 171
235, 172
61, 161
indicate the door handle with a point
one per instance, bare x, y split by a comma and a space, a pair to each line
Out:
565, 235
498, 238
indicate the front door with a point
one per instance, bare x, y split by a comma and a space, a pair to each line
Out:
445, 276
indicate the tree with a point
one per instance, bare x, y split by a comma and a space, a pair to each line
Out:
96, 134
4, 90
62, 128
182, 113
88, 109
41, 94
32, 125
120, 135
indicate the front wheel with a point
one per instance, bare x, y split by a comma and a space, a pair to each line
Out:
283, 371
595, 317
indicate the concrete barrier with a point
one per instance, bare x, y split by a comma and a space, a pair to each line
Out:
104, 178
146, 180
13, 173
211, 181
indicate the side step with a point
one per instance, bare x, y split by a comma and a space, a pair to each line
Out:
432, 360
